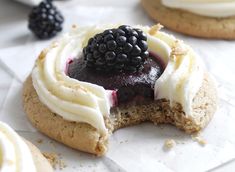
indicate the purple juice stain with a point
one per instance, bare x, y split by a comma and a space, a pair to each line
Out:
68, 62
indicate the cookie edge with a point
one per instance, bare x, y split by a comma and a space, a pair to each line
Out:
41, 163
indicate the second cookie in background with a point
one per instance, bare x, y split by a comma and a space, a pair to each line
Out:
207, 19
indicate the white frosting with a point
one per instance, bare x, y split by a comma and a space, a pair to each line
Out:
72, 99
85, 102
14, 153
210, 8
183, 74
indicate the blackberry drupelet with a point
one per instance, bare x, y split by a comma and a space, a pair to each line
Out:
123, 49
45, 21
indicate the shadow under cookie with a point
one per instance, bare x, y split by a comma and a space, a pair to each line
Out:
189, 23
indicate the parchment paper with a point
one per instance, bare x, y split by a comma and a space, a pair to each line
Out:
137, 148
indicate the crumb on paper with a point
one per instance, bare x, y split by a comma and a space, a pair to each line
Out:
197, 138
154, 29
39, 141
74, 26
169, 143
52, 143
155, 123
51, 157
55, 160
125, 141
43, 53
159, 125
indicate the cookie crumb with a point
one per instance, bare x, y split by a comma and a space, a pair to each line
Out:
62, 165
55, 160
39, 141
42, 55
154, 29
52, 143
199, 139
169, 143
74, 26
179, 49
51, 157
54, 44
156, 123
125, 141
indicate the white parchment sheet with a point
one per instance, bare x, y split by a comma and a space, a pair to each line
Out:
137, 148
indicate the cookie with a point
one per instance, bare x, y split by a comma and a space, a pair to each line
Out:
41, 163
189, 23
80, 136
18, 154
86, 138
71, 103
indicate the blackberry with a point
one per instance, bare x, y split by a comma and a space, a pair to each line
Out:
45, 21
123, 49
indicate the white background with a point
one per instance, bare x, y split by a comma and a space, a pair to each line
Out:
14, 33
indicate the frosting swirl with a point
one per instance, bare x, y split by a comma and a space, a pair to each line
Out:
183, 74
71, 99
210, 8
85, 102
14, 153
